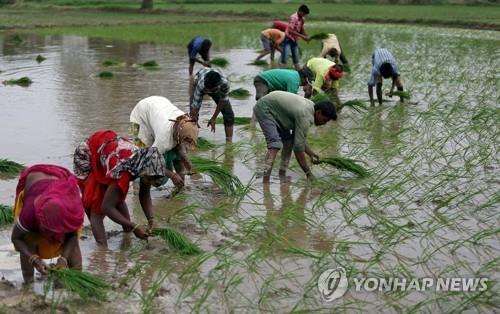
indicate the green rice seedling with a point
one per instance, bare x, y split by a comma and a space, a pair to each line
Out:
177, 242
347, 67
150, 64
355, 104
319, 36
239, 93
220, 175
23, 81
346, 164
105, 75
17, 39
237, 120
40, 58
84, 284
323, 97
203, 144
6, 215
9, 167
109, 62
260, 63
402, 94
220, 62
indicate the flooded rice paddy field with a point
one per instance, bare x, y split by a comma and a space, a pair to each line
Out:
429, 209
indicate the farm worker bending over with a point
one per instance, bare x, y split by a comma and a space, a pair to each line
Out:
271, 39
199, 45
49, 214
331, 47
285, 119
327, 75
294, 31
281, 25
213, 83
105, 163
384, 66
156, 122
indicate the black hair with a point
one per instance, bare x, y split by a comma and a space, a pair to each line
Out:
306, 74
205, 46
327, 109
212, 79
386, 70
304, 8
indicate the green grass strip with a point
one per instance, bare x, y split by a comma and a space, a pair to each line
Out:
23, 81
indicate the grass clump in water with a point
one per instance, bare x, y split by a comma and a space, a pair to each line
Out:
402, 94
6, 215
220, 62
40, 58
150, 64
259, 63
346, 164
319, 36
237, 120
177, 242
9, 167
105, 75
23, 81
84, 284
239, 93
109, 62
17, 39
220, 175
204, 144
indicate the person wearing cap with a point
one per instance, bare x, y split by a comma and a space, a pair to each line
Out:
285, 120
330, 47
271, 39
213, 83
326, 77
384, 66
48, 215
199, 45
294, 31
156, 122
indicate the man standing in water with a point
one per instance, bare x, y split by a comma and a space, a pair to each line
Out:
295, 31
384, 66
213, 83
285, 119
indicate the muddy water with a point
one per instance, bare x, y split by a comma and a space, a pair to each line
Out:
421, 156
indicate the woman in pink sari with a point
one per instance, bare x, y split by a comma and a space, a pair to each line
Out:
49, 213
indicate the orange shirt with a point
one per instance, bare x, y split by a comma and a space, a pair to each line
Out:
273, 34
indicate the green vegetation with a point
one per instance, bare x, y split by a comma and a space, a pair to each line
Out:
177, 241
319, 36
203, 144
356, 104
10, 168
402, 94
23, 81
109, 62
239, 93
220, 62
40, 58
346, 164
259, 63
85, 285
220, 175
6, 215
105, 75
150, 64
237, 120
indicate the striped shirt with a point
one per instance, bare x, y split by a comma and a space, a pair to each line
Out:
199, 88
379, 57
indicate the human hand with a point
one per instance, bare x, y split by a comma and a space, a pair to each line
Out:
40, 266
62, 263
177, 180
211, 124
314, 158
151, 225
389, 94
207, 64
139, 233
310, 176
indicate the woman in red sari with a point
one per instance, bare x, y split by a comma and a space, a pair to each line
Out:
49, 214
106, 164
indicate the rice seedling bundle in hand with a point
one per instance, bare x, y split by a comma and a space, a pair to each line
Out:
6, 215
347, 67
356, 104
150, 64
259, 63
323, 97
204, 144
220, 62
239, 93
23, 81
402, 94
105, 75
219, 174
177, 242
40, 58
84, 284
237, 120
319, 36
10, 167
346, 164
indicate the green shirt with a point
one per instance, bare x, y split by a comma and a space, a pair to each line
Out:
291, 112
281, 79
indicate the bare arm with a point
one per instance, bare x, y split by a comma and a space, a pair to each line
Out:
301, 159
379, 93
17, 238
145, 200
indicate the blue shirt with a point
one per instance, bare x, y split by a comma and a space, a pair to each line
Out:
197, 42
379, 57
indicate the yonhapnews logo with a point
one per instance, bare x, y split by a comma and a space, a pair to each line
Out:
333, 283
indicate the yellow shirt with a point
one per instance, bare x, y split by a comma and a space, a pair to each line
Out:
320, 67
273, 34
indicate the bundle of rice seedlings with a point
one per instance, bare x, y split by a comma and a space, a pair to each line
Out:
319, 36
23, 81
239, 93
105, 74
220, 62
6, 215
259, 63
177, 242
40, 58
203, 144
10, 167
347, 67
220, 175
402, 94
237, 120
323, 97
17, 38
84, 284
346, 164
109, 62
150, 64
356, 104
